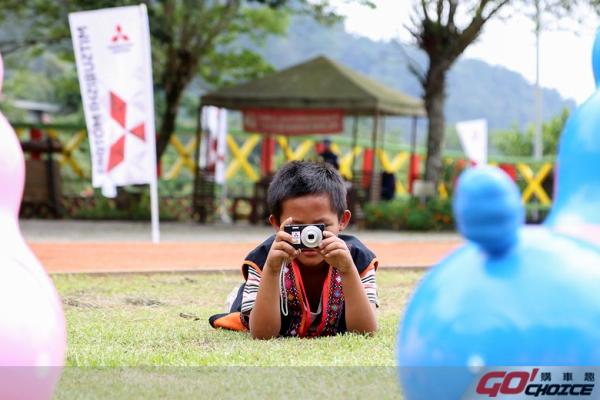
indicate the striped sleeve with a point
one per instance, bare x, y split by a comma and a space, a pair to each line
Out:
250, 290
368, 281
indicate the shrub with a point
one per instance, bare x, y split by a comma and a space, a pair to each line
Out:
409, 213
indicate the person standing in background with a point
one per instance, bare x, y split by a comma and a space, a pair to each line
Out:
329, 156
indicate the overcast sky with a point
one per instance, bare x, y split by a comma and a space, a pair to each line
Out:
565, 51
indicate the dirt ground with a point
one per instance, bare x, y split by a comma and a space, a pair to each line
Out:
147, 257
103, 247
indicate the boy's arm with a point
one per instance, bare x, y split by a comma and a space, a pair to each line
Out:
360, 313
265, 317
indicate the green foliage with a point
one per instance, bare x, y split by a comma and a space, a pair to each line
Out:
515, 142
46, 78
409, 213
189, 39
132, 206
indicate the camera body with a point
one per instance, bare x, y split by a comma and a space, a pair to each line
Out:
306, 236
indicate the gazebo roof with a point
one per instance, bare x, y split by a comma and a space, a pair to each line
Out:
319, 83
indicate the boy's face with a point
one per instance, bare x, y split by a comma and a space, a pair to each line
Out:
311, 209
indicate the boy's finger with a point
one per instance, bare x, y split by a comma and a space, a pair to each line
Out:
281, 255
332, 239
327, 234
333, 246
284, 223
283, 236
335, 253
285, 247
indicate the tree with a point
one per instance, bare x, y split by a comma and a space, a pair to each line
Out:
517, 143
190, 38
438, 31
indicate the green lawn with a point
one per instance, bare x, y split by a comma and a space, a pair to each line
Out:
147, 336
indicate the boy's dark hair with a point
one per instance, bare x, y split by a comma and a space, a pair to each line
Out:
301, 178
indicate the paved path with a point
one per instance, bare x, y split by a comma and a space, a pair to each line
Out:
99, 247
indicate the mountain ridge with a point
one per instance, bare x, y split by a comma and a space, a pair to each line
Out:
503, 97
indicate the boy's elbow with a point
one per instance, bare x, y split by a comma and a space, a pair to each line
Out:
369, 330
364, 332
260, 335
262, 332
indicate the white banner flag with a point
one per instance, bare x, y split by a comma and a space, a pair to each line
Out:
214, 146
114, 64
112, 50
474, 139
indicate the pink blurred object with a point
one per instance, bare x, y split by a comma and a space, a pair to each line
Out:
1, 73
32, 324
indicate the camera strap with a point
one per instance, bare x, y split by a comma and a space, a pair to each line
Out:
283, 300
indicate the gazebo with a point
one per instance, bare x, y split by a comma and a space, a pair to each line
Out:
312, 98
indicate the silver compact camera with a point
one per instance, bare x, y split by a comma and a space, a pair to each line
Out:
305, 236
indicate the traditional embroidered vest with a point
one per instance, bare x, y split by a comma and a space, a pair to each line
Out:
297, 322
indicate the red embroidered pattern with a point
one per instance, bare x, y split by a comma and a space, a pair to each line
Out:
295, 308
332, 303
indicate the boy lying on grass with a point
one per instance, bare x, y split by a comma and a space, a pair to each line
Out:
318, 291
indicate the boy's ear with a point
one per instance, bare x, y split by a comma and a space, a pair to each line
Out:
345, 220
274, 223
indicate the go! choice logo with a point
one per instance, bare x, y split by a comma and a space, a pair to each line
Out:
523, 383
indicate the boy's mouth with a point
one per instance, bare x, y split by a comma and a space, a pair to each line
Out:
310, 252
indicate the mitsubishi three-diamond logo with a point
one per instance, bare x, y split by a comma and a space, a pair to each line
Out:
119, 35
119, 41
118, 113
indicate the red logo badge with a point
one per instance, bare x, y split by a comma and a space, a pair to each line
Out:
119, 35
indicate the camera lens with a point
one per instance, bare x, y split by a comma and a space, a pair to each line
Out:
311, 236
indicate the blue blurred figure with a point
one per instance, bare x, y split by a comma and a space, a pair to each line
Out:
513, 295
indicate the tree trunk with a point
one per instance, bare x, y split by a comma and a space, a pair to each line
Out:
435, 99
177, 76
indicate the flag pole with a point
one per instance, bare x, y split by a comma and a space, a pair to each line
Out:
154, 207
154, 212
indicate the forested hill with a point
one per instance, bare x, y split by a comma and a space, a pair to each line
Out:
476, 89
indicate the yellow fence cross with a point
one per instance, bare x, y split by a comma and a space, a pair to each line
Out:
442, 189
394, 165
346, 162
241, 157
297, 154
186, 156
19, 132
69, 150
534, 182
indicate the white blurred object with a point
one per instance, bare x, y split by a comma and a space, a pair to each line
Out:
423, 188
474, 139
231, 298
214, 144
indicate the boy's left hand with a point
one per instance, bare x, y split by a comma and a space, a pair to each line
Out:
336, 253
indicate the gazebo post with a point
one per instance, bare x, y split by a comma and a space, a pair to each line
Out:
196, 161
382, 128
412, 166
267, 155
354, 142
374, 189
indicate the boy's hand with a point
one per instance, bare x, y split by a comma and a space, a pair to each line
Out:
336, 253
281, 249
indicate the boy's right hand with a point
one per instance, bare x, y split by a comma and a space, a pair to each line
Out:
281, 249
